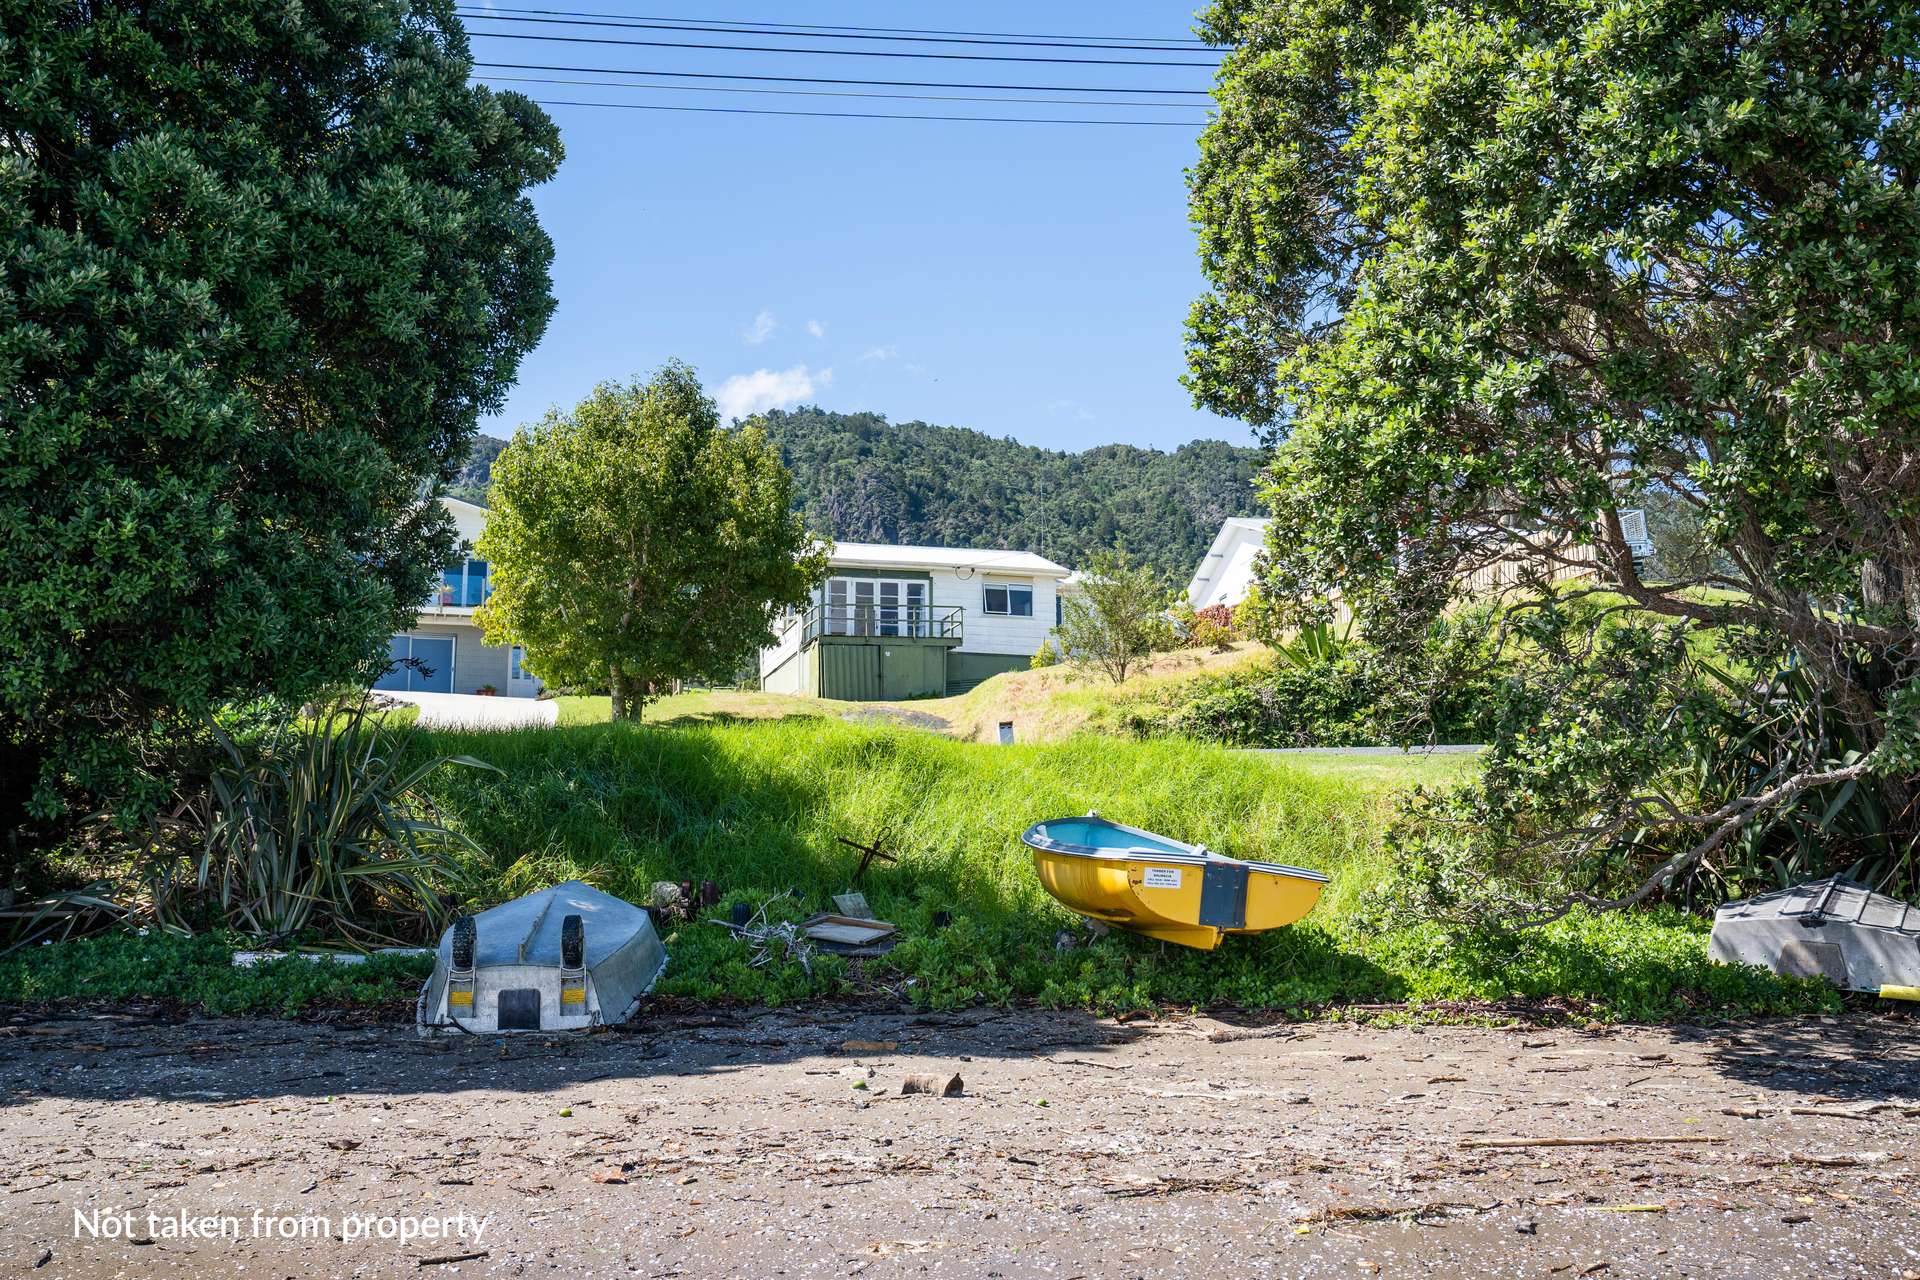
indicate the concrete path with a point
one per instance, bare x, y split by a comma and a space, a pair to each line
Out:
1461, 749
470, 711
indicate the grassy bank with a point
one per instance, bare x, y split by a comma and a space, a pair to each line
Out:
756, 806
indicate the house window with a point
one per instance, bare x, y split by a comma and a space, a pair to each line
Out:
1006, 599
513, 663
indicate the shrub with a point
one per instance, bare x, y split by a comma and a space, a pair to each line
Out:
1208, 628
1612, 739
320, 827
1118, 618
1325, 689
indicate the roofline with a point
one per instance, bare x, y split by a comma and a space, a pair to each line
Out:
1217, 550
1046, 568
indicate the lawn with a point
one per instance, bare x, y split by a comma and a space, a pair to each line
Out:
756, 805
700, 706
1043, 706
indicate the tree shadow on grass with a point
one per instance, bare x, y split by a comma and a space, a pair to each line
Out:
689, 718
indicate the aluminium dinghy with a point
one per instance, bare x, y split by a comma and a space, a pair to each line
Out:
1164, 888
565, 958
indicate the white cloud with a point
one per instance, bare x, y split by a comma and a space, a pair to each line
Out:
748, 393
817, 329
1070, 408
887, 352
761, 329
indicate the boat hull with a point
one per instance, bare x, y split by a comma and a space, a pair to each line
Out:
1151, 885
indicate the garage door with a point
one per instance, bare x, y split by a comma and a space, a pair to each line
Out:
429, 671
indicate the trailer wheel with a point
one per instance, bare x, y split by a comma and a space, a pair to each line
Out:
466, 936
573, 943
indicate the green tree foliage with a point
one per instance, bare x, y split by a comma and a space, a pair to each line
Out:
859, 478
633, 541
261, 267
1490, 270
1118, 616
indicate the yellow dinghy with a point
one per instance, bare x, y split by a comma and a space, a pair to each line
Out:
1150, 884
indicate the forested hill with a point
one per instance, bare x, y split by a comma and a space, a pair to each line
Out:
860, 478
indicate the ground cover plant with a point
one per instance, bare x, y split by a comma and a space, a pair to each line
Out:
197, 972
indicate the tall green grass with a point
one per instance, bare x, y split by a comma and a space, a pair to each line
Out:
755, 807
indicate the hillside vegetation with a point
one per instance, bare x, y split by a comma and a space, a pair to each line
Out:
860, 478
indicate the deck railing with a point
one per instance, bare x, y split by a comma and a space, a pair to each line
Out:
864, 621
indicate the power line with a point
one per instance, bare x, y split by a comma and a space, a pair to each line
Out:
840, 53
574, 18
862, 115
803, 26
883, 84
841, 93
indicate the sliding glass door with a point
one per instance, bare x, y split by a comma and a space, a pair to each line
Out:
875, 607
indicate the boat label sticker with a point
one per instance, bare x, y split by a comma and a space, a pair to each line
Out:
1161, 878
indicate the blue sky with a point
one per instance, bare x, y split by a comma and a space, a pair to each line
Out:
1024, 280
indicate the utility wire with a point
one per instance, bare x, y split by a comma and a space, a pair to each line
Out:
862, 115
840, 93
841, 53
885, 84
616, 22
802, 26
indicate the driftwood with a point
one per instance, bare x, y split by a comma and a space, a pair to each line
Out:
947, 1086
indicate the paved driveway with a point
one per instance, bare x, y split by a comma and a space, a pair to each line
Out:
470, 711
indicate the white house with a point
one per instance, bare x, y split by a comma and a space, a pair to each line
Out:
906, 622
1225, 575
1226, 572
443, 652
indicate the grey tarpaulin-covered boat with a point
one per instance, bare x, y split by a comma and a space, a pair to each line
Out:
560, 959
1834, 928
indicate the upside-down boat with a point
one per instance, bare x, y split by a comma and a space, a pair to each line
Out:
564, 958
1167, 889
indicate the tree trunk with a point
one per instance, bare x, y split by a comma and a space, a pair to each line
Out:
617, 687
1882, 585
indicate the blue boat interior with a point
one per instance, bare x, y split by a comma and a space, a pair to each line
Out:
1093, 836
1096, 833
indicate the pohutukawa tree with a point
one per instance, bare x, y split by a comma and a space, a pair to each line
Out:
261, 266
1497, 271
633, 540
